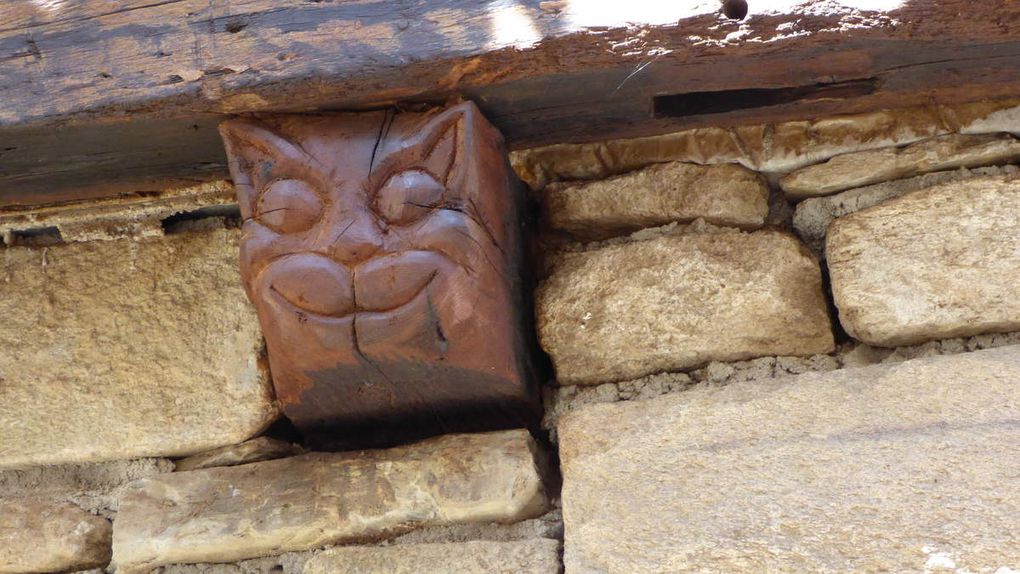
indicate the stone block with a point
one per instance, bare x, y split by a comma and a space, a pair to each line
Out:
936, 263
867, 167
125, 349
773, 148
40, 536
813, 215
678, 301
660, 194
877, 469
231, 513
477, 557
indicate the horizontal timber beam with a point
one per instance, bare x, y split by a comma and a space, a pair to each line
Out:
99, 98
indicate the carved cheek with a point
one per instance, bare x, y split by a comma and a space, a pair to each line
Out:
311, 283
480, 266
459, 238
260, 246
387, 282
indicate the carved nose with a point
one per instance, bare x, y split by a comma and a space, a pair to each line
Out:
356, 241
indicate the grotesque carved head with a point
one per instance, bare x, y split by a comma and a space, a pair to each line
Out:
381, 251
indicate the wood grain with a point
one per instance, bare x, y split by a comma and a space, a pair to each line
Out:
105, 92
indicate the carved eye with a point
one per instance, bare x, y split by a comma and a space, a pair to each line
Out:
409, 196
288, 206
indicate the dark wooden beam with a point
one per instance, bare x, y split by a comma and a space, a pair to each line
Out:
93, 98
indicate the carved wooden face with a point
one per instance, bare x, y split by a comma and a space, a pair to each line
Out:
381, 251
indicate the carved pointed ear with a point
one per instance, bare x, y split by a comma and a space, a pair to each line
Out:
433, 144
442, 153
256, 155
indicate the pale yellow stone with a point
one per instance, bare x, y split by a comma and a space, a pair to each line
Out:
254, 450
126, 349
936, 263
657, 195
774, 148
476, 557
42, 536
868, 167
232, 513
813, 215
889, 468
677, 301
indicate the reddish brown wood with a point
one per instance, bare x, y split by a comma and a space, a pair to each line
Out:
382, 253
96, 92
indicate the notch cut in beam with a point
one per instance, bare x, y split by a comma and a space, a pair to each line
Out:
723, 101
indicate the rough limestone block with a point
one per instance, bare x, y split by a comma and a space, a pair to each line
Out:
677, 301
813, 215
878, 469
765, 147
126, 349
477, 557
39, 536
232, 513
868, 167
720, 194
937, 263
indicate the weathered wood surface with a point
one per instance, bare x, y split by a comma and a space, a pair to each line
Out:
104, 91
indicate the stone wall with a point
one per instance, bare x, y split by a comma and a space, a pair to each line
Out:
779, 348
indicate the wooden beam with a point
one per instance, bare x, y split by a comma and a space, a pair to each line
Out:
95, 95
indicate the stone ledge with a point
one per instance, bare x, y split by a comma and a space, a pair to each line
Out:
869, 167
865, 469
657, 195
254, 450
771, 148
477, 557
232, 513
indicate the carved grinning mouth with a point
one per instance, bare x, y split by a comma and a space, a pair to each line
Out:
313, 285
303, 312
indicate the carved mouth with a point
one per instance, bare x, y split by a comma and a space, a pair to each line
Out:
311, 285
303, 312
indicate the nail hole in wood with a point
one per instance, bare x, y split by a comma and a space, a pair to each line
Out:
236, 25
735, 9
701, 103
